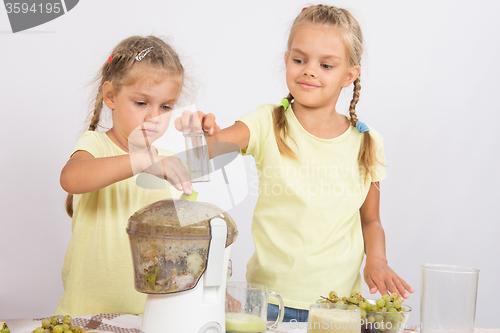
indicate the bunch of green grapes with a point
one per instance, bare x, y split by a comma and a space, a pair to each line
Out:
380, 316
55, 325
4, 328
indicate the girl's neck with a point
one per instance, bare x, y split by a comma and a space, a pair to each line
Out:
114, 137
322, 122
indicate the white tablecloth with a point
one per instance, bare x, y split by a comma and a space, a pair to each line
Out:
123, 323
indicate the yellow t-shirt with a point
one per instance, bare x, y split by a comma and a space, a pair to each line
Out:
98, 274
306, 225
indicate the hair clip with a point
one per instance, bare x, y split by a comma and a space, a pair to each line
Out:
143, 53
110, 58
303, 9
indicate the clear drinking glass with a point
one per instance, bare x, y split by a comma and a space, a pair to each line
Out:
330, 317
197, 156
448, 298
246, 307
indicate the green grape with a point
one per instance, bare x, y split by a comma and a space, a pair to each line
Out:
380, 302
397, 303
389, 305
369, 306
394, 297
39, 330
362, 305
392, 310
54, 320
46, 323
371, 319
383, 309
386, 298
68, 331
398, 318
341, 305
379, 318
332, 295
6, 330
82, 330
354, 300
363, 314
48, 330
58, 329
65, 327
67, 319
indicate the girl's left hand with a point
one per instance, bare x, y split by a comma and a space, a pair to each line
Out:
379, 276
197, 122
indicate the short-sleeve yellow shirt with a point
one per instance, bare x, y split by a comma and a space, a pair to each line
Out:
98, 274
306, 225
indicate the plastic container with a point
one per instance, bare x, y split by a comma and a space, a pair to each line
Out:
246, 308
448, 298
330, 317
197, 156
170, 241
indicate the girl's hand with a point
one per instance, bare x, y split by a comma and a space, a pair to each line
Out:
172, 170
197, 122
379, 276
232, 304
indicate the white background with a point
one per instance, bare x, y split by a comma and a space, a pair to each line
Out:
429, 87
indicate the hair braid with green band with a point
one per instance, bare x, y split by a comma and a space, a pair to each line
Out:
285, 103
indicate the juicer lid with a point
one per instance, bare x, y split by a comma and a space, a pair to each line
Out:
184, 219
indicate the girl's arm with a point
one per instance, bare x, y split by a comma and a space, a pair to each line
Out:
378, 275
238, 134
84, 173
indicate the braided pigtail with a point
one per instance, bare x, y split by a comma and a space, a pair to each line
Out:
366, 158
280, 126
96, 116
69, 205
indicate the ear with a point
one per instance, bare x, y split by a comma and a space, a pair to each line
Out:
352, 75
108, 95
287, 54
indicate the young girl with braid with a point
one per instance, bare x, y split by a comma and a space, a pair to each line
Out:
140, 82
317, 214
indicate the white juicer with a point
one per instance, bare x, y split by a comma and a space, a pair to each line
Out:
181, 253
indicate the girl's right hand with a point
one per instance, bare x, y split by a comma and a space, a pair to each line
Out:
172, 170
197, 122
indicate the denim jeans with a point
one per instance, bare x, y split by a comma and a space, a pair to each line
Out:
298, 315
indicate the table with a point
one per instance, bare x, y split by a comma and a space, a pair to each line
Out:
125, 323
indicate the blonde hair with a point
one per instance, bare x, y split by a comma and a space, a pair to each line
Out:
118, 70
350, 33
